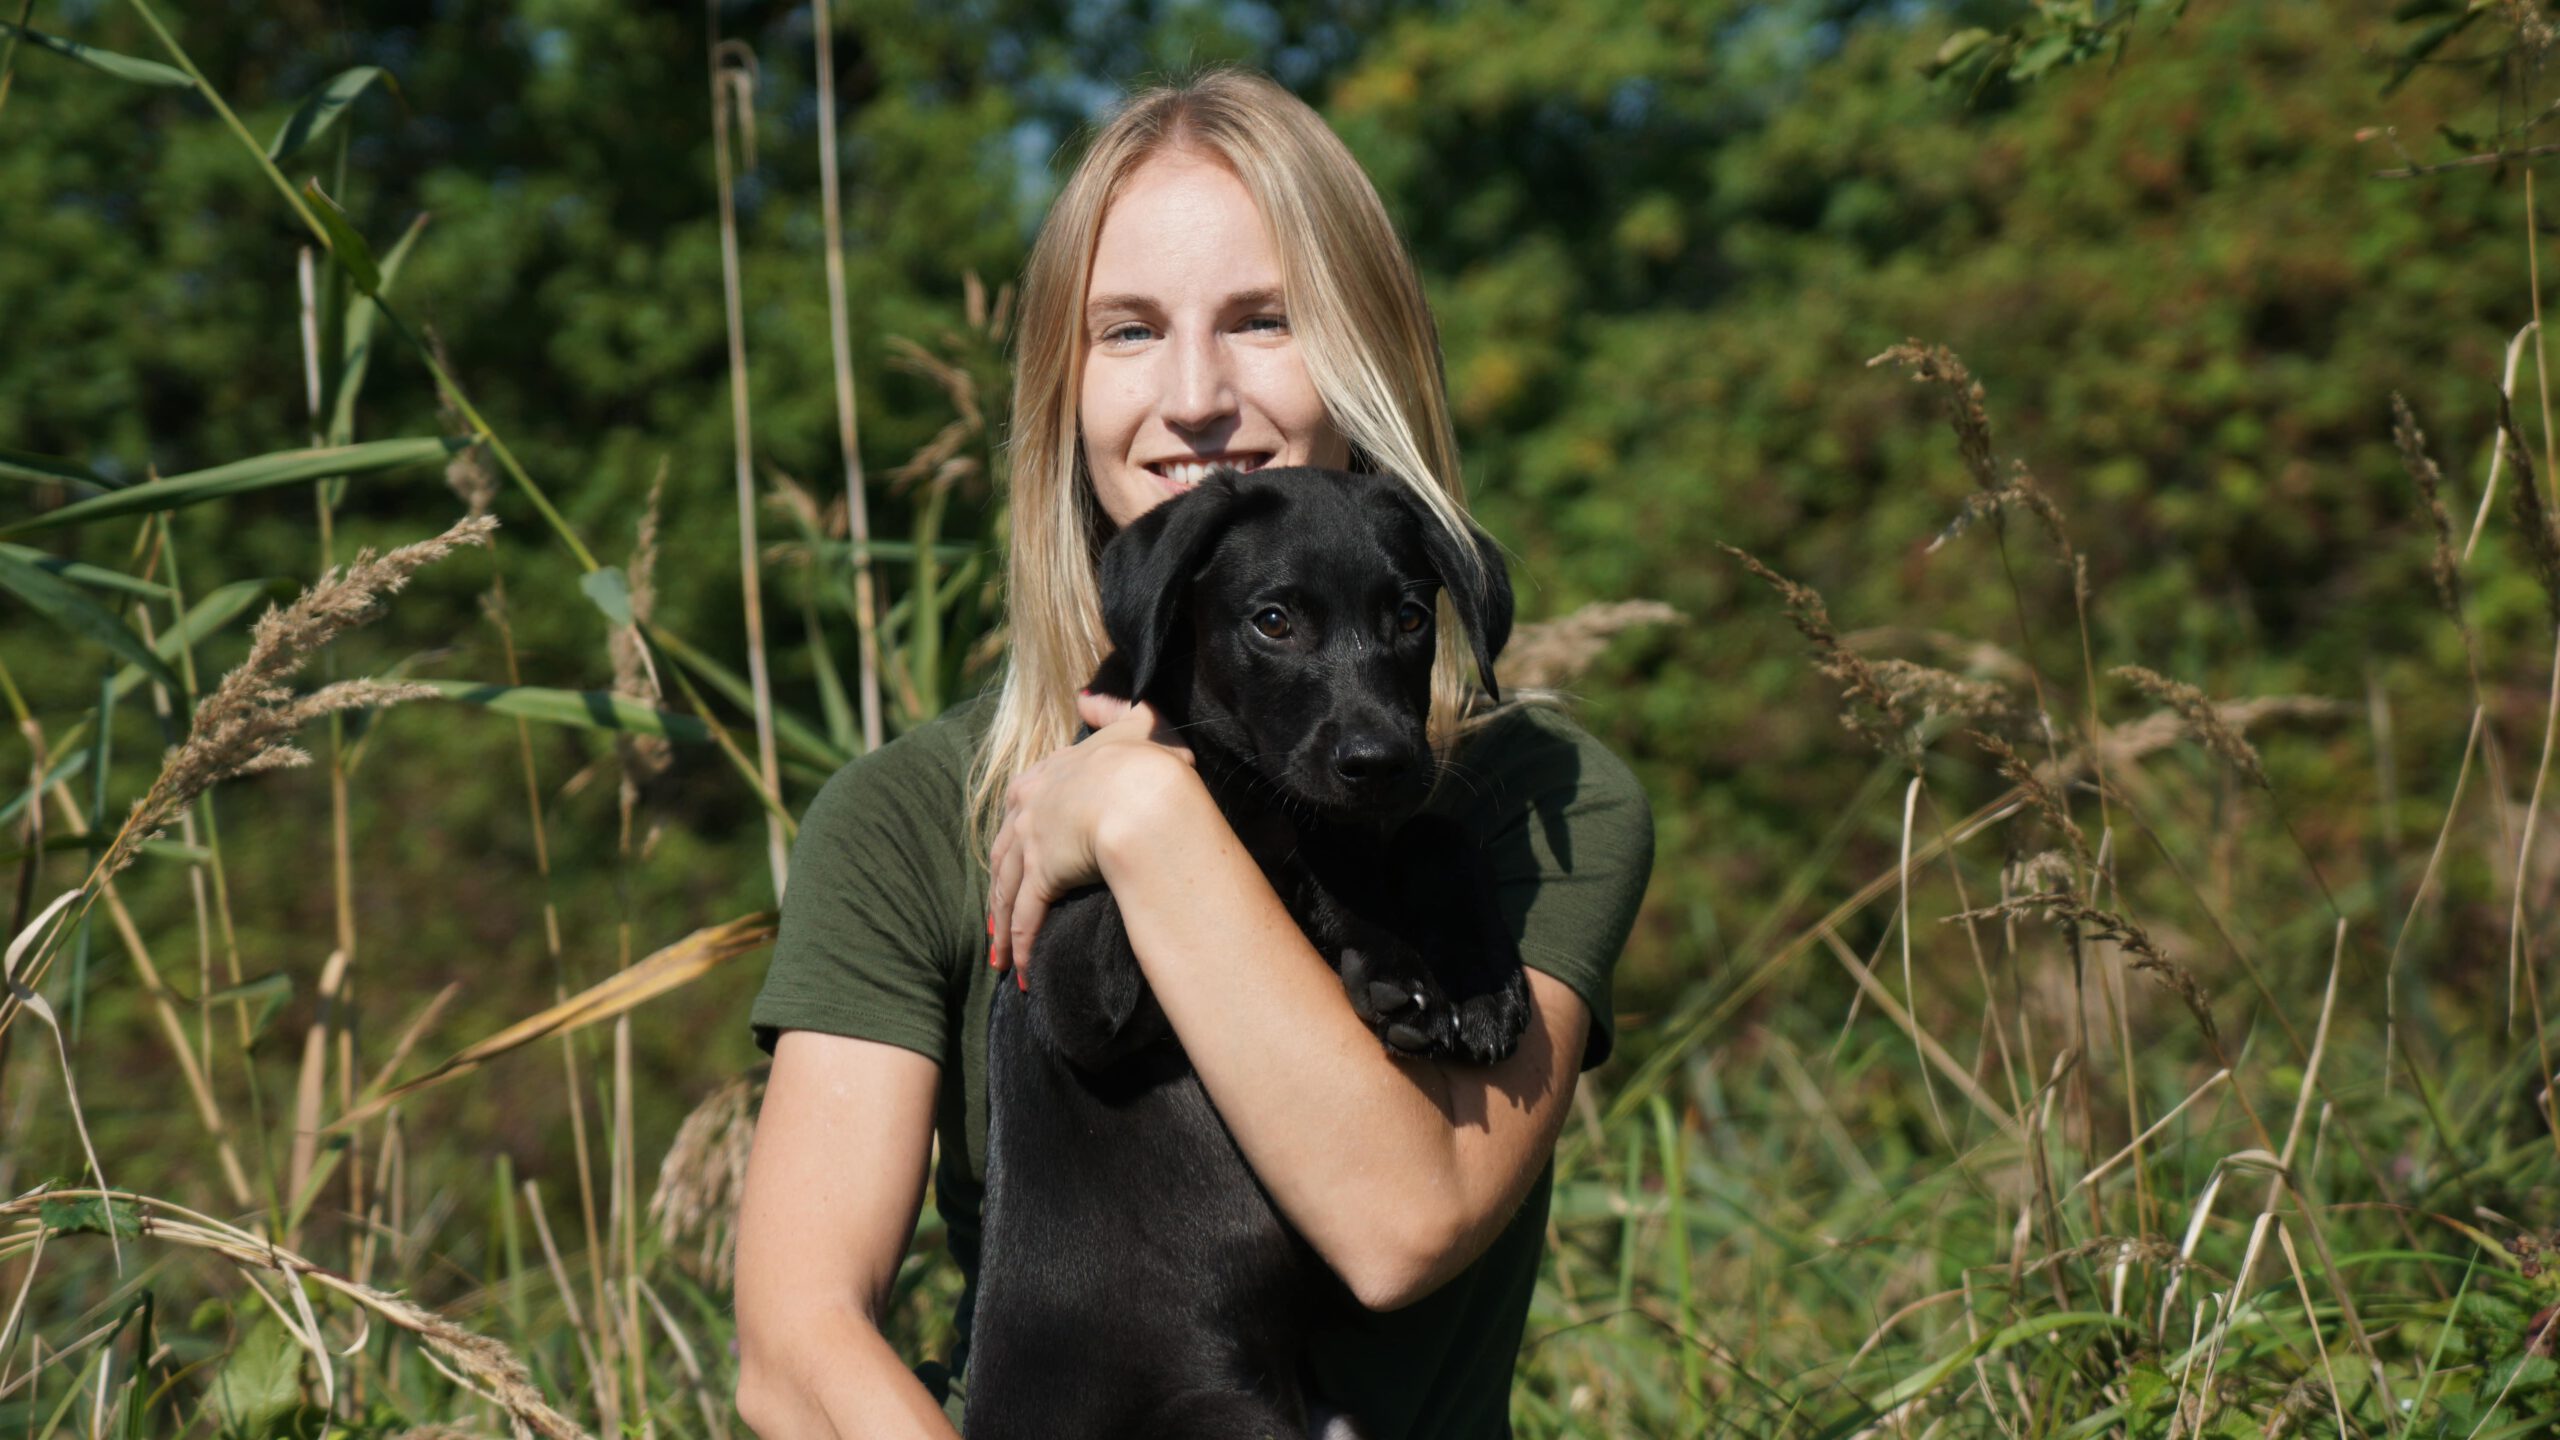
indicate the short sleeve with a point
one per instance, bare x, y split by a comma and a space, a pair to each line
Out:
1569, 834
876, 892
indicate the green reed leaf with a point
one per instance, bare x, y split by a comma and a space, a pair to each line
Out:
579, 709
61, 602
123, 67
321, 108
284, 467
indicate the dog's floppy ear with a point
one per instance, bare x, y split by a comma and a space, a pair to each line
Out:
1147, 570
1479, 585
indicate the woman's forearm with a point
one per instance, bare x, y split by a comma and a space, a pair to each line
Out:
835, 1378
1397, 1171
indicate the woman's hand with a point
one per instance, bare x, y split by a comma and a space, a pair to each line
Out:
1053, 811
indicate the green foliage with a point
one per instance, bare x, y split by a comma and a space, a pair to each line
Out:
1662, 242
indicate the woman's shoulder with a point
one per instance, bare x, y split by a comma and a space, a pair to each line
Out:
925, 768
1535, 750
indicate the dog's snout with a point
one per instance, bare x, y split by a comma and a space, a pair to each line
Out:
1370, 759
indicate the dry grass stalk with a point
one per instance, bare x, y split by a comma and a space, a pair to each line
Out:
1851, 671
703, 1176
2060, 906
671, 968
2205, 722
484, 1365
1553, 652
2533, 518
643, 757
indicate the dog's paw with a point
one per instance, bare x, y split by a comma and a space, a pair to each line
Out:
1411, 1015
1489, 1026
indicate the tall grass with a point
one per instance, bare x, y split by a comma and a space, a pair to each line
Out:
2125, 1128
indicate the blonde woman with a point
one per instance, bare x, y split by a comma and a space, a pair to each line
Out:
1218, 282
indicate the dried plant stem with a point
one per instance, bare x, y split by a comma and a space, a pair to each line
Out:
866, 607
487, 1366
2498, 453
733, 84
165, 1010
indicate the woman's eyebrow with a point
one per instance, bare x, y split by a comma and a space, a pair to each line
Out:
1104, 304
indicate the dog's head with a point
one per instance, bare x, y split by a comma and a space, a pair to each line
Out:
1287, 620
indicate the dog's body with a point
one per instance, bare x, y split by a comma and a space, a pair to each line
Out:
1135, 1280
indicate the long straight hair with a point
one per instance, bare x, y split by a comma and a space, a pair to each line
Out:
1361, 323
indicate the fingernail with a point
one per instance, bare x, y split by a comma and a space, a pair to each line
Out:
1022, 982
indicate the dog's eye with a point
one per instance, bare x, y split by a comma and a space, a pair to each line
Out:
1412, 616
1272, 621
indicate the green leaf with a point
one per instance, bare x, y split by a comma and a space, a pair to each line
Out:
344, 243
95, 576
610, 591
580, 709
260, 1385
49, 470
269, 991
788, 726
321, 108
62, 603
2427, 42
356, 351
1955, 49
2042, 54
284, 467
90, 1215
123, 67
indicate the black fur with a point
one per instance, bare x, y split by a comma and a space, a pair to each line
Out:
1135, 1280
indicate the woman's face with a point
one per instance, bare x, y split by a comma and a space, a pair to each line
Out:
1189, 359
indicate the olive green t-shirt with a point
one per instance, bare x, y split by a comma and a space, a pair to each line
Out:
883, 937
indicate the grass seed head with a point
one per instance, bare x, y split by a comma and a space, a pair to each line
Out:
245, 726
1555, 652
2430, 481
2533, 518
1855, 676
2047, 801
1936, 364
2203, 720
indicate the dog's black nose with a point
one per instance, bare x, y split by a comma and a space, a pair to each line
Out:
1369, 759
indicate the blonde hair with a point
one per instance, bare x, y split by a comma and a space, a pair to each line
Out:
1361, 323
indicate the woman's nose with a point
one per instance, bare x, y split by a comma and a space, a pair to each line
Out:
1200, 391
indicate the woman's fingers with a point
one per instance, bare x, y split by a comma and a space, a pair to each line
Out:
1100, 710
1004, 876
1030, 907
1103, 711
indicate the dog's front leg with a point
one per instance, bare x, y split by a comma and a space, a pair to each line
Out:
1088, 996
1445, 981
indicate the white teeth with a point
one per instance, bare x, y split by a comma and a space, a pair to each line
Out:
1192, 473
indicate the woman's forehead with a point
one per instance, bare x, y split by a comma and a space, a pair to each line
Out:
1181, 220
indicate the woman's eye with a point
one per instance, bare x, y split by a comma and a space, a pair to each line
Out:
1124, 332
1412, 616
1277, 322
1273, 622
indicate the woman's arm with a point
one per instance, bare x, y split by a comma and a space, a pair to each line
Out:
833, 1187
1400, 1172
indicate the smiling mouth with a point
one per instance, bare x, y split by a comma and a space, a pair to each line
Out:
1191, 472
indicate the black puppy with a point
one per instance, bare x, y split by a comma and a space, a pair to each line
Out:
1135, 1280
